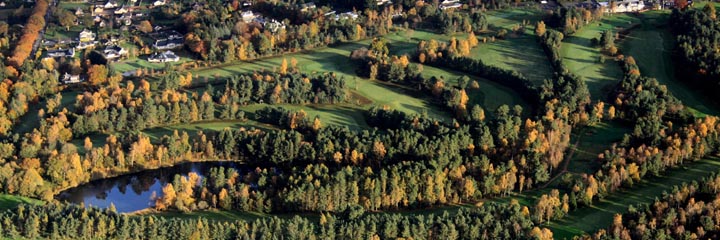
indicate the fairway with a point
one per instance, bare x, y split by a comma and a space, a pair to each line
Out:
582, 58
600, 215
593, 141
652, 49
520, 52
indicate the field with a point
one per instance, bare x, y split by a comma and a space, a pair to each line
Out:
583, 59
600, 215
593, 141
652, 47
12, 201
523, 52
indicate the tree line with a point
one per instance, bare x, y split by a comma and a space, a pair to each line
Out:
130, 108
688, 212
56, 221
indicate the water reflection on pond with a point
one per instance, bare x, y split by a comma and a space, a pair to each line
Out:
134, 192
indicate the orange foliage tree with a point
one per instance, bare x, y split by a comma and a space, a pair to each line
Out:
35, 23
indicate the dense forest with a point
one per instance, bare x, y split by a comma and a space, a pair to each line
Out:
53, 221
697, 33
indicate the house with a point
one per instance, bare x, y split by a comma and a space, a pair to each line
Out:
167, 56
623, 6
348, 15
110, 4
98, 11
60, 53
273, 25
450, 4
49, 43
247, 16
68, 78
198, 6
125, 19
158, 3
84, 45
383, 2
86, 36
123, 10
307, 6
246, 4
114, 51
79, 12
166, 44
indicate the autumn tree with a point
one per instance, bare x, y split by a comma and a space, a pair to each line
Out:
145, 26
97, 74
66, 18
540, 29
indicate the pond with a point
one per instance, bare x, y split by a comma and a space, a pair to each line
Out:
135, 192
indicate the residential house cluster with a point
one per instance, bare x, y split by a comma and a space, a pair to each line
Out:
104, 11
623, 6
268, 23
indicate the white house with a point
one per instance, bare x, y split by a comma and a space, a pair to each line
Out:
166, 44
61, 53
450, 4
86, 36
348, 15
273, 25
79, 12
307, 6
113, 52
84, 45
158, 3
167, 56
247, 16
68, 78
624, 6
120, 11
110, 5
383, 2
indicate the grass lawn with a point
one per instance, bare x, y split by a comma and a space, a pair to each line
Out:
593, 141
11, 201
652, 47
582, 58
600, 215
520, 53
